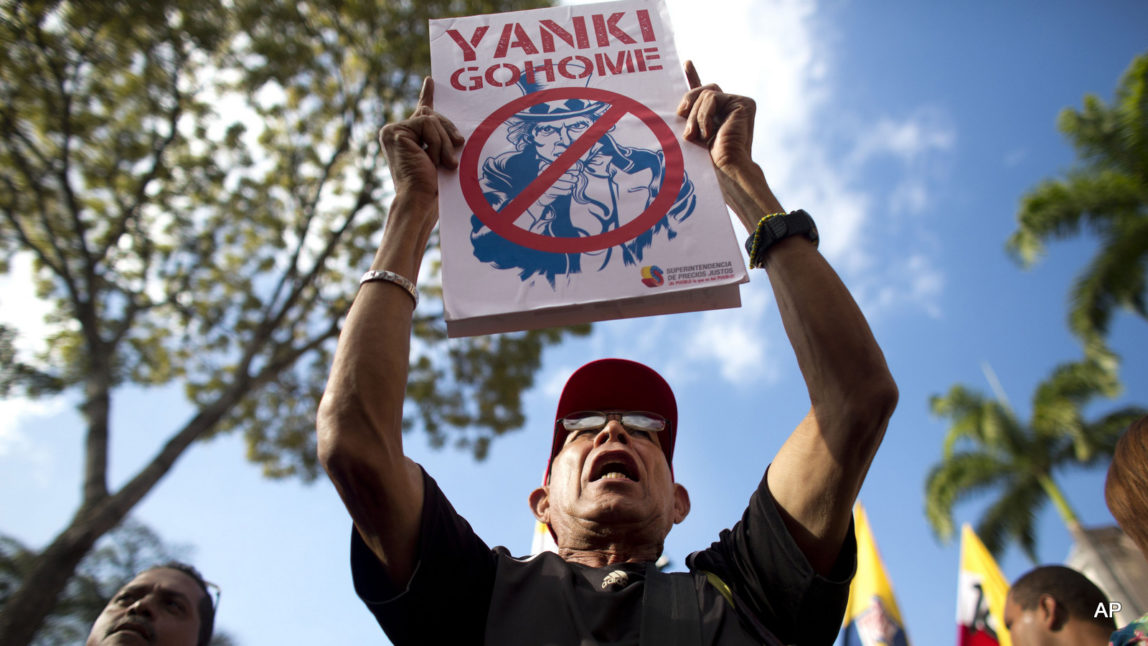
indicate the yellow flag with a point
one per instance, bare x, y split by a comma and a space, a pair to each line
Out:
871, 616
981, 591
542, 541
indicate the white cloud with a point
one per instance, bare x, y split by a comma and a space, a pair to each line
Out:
733, 339
910, 196
907, 139
25, 312
840, 211
1014, 157
767, 53
555, 380
22, 309
913, 143
15, 443
913, 283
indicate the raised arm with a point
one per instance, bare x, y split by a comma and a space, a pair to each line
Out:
818, 472
360, 416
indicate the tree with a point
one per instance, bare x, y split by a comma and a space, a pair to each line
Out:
1107, 194
122, 553
198, 186
989, 449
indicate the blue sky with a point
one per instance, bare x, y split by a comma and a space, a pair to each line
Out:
908, 130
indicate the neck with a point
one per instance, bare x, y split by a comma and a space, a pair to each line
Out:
603, 558
599, 544
1086, 633
609, 555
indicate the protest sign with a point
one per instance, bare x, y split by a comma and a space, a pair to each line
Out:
576, 198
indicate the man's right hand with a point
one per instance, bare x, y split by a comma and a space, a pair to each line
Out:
724, 124
416, 146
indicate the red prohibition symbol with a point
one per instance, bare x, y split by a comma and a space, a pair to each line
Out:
502, 221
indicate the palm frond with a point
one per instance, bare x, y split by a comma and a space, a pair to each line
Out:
1058, 209
1044, 209
1103, 434
1115, 278
1132, 108
974, 417
1114, 136
1013, 517
954, 479
1093, 132
1058, 400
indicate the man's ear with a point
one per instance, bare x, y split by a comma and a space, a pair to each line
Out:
540, 504
681, 503
1052, 614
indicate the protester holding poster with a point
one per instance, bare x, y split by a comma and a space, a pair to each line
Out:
780, 575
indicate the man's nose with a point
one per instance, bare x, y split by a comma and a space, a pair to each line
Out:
142, 606
613, 430
564, 137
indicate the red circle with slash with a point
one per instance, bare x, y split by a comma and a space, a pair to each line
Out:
502, 221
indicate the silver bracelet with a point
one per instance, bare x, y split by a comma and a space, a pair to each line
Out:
391, 277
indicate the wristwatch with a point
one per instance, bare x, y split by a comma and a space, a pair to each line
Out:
778, 227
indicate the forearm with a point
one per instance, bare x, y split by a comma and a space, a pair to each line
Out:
746, 191
835, 349
819, 471
360, 416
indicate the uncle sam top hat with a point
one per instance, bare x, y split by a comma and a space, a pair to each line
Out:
562, 108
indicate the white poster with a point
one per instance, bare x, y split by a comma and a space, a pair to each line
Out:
576, 198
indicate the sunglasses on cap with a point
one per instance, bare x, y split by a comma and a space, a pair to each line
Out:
595, 420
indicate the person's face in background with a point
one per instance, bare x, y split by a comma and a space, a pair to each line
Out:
159, 606
1028, 627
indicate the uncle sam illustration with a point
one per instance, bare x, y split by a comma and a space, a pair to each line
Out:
607, 187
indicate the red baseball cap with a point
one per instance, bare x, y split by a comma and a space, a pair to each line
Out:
616, 384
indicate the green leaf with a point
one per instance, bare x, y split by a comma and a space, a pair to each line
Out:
1106, 195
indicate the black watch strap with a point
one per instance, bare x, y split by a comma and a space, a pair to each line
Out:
775, 227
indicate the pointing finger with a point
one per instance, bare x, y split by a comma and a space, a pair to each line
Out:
692, 76
426, 95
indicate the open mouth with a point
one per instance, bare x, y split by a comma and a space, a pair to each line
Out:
614, 469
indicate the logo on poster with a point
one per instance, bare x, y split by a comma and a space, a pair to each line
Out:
652, 276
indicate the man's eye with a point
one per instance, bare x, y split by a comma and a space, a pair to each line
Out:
578, 127
637, 432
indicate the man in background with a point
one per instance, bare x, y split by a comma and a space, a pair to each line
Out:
1054, 605
167, 605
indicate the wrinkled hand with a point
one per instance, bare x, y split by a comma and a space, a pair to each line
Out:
724, 124
416, 146
721, 122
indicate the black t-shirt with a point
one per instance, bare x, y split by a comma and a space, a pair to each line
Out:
462, 592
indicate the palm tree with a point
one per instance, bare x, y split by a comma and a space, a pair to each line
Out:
989, 449
1107, 193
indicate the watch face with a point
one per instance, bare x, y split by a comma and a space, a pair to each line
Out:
778, 227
